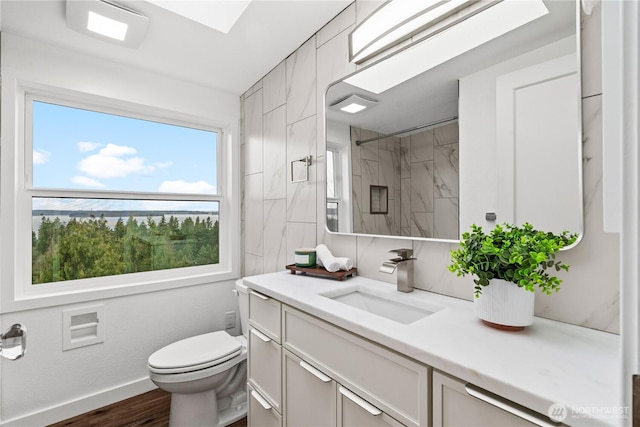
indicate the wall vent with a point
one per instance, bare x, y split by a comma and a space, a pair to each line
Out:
82, 327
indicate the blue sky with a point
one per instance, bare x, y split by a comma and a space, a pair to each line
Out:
80, 149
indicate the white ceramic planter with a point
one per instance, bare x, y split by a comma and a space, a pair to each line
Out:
504, 305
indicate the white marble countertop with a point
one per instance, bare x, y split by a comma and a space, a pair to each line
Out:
549, 362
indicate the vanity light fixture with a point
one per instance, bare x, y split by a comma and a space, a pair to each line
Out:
353, 104
107, 21
396, 21
489, 24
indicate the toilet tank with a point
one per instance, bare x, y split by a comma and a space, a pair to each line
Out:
243, 305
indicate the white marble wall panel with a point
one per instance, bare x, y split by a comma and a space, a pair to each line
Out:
446, 223
356, 157
257, 86
422, 224
343, 21
301, 196
422, 187
253, 133
387, 171
274, 88
446, 173
405, 203
446, 134
301, 82
253, 229
275, 154
369, 150
356, 191
299, 235
252, 265
431, 273
370, 172
405, 157
594, 273
421, 146
275, 230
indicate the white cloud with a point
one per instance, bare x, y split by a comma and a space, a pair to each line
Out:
113, 162
85, 146
87, 182
201, 187
40, 156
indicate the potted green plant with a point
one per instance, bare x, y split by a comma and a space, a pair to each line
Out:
509, 263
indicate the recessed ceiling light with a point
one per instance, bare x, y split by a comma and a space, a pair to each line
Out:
107, 21
353, 104
107, 26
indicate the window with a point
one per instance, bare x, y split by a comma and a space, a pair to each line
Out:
333, 188
112, 193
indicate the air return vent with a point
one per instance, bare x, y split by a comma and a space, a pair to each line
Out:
82, 327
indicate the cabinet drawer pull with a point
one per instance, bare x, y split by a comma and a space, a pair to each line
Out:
259, 295
503, 404
261, 400
359, 401
313, 371
260, 335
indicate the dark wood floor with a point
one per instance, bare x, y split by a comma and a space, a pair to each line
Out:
150, 409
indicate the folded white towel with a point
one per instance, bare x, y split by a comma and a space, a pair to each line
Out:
331, 263
328, 261
346, 264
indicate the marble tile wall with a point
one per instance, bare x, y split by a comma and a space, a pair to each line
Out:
284, 119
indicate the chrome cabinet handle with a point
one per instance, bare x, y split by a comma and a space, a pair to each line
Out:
260, 335
262, 297
501, 403
359, 401
313, 371
13, 343
261, 400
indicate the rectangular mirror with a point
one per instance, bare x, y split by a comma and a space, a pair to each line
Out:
473, 123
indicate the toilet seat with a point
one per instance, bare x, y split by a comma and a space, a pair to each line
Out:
195, 353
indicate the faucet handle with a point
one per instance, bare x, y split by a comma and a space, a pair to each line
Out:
403, 253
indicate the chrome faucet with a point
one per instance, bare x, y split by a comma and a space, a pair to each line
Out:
404, 266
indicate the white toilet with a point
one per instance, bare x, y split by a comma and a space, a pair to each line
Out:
206, 374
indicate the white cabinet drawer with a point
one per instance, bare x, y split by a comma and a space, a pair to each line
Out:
309, 395
265, 367
264, 314
260, 413
395, 384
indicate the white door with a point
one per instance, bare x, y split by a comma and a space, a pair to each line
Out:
538, 148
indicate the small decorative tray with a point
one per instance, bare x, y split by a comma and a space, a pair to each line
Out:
320, 271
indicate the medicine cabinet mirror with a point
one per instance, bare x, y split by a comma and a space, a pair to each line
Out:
462, 134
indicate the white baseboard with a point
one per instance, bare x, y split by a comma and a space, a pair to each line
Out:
81, 405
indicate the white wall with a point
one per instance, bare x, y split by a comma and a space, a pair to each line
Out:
49, 385
589, 294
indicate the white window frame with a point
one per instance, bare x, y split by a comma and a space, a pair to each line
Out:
16, 204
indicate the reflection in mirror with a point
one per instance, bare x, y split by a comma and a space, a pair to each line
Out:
495, 128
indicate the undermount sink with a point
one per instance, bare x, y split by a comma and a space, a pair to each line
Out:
387, 305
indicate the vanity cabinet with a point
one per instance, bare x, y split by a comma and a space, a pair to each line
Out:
374, 386
458, 404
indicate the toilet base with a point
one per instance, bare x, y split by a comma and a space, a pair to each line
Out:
203, 409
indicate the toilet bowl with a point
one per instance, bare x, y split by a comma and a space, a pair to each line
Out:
205, 374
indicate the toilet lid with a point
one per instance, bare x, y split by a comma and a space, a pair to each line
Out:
199, 351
